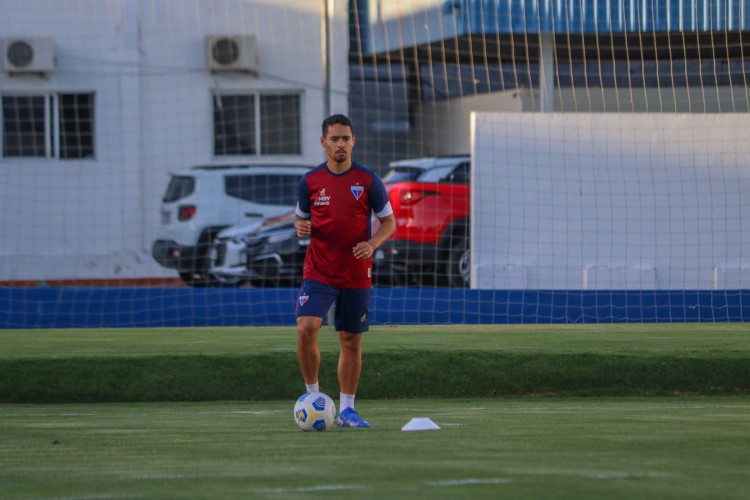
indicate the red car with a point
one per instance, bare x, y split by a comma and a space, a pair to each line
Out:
430, 199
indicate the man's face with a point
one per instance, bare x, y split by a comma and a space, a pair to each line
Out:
338, 142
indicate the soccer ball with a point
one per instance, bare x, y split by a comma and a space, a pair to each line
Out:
314, 411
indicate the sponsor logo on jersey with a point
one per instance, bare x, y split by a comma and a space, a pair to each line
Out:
322, 199
303, 299
357, 191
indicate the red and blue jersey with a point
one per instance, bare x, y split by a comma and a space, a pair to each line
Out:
340, 207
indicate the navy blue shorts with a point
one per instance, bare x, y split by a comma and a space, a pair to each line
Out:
352, 305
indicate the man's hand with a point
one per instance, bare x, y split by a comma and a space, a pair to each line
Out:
303, 228
363, 250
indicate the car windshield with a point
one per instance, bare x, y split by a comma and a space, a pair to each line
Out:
436, 174
402, 174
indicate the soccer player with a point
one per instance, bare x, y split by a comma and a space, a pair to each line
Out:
335, 205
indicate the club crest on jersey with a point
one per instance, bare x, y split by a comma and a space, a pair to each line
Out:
322, 199
357, 191
303, 299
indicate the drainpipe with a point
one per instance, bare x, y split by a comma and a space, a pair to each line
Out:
328, 9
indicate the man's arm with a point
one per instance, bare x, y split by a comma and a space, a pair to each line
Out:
303, 227
386, 230
366, 249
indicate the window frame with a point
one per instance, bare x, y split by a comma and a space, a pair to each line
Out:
59, 118
52, 130
256, 95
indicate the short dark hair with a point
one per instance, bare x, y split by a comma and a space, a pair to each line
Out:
336, 120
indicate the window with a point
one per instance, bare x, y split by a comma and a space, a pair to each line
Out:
180, 186
234, 125
24, 127
76, 125
257, 124
280, 125
274, 189
48, 126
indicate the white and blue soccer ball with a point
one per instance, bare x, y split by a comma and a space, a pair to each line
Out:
314, 411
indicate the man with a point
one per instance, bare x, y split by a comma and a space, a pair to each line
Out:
334, 208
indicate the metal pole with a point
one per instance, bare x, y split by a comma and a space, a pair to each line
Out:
546, 73
327, 11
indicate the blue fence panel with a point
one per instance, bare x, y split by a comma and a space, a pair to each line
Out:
183, 307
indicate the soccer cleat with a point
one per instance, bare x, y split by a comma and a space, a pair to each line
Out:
350, 418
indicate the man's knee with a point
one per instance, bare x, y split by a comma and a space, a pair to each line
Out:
350, 341
307, 329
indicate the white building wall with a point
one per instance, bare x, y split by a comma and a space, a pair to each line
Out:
444, 126
610, 201
145, 61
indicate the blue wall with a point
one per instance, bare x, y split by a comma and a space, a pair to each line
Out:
603, 16
163, 307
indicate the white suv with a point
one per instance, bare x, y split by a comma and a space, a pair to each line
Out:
200, 202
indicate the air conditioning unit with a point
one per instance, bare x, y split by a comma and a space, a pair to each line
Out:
238, 53
29, 55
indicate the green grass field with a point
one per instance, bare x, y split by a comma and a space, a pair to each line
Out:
487, 448
667, 413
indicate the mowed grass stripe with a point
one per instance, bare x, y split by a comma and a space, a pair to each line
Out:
487, 448
395, 375
399, 362
674, 339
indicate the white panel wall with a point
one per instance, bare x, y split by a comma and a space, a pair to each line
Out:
610, 201
145, 60
444, 125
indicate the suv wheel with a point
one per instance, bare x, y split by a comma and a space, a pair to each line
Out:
459, 264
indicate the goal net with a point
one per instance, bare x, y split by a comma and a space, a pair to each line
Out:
547, 161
